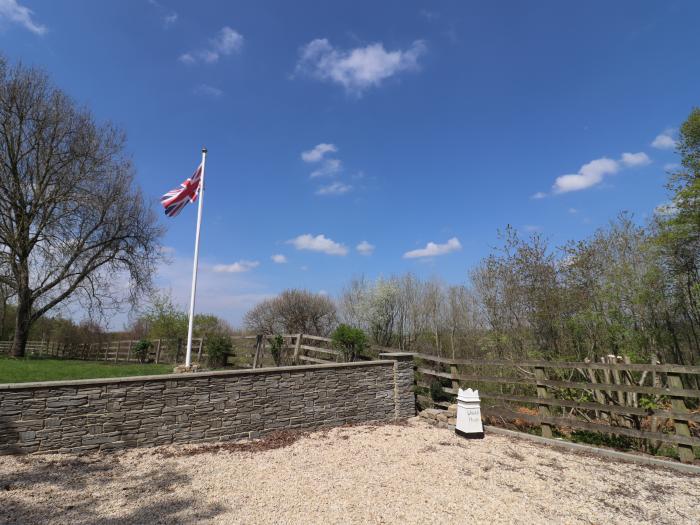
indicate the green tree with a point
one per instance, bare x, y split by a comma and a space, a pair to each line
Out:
351, 341
164, 319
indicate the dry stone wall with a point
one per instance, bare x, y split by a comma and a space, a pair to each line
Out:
77, 416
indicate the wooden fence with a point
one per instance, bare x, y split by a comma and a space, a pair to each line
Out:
643, 401
121, 351
249, 351
296, 349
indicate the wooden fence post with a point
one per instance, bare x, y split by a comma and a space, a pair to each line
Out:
542, 393
199, 352
685, 452
297, 347
259, 344
158, 352
455, 381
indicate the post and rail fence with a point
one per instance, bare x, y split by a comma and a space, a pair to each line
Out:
249, 351
649, 402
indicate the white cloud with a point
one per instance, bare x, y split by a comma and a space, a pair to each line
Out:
279, 258
365, 248
573, 211
170, 19
226, 42
634, 160
539, 195
432, 249
532, 228
330, 167
589, 175
671, 166
334, 188
317, 152
237, 267
12, 11
592, 173
357, 69
319, 243
208, 91
664, 140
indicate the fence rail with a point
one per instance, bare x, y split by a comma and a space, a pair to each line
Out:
612, 397
118, 351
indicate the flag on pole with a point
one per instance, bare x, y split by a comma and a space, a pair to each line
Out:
176, 199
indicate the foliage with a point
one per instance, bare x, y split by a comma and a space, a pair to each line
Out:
350, 341
218, 347
141, 349
276, 349
292, 312
164, 319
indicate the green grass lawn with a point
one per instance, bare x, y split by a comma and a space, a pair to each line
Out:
37, 369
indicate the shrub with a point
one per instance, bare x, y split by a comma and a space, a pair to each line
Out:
141, 349
350, 341
276, 349
218, 347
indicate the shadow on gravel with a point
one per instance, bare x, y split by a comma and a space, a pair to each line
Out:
92, 490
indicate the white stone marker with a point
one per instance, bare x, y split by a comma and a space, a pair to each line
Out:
469, 414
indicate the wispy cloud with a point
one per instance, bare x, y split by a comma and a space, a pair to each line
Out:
328, 167
365, 248
318, 243
357, 69
433, 249
208, 91
237, 267
316, 153
226, 42
634, 160
12, 11
334, 188
664, 140
278, 258
592, 173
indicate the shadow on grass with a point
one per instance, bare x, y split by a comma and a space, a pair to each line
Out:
95, 489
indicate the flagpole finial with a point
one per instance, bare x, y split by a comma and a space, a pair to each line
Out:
204, 149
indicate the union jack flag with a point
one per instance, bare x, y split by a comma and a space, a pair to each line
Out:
176, 199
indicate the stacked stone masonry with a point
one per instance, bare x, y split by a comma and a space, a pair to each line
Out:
201, 407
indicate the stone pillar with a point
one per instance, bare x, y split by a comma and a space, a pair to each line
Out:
404, 381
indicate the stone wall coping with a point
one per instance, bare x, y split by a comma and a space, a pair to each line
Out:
191, 375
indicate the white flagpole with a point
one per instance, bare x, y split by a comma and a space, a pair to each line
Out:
188, 355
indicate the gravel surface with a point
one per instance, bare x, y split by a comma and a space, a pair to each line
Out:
411, 473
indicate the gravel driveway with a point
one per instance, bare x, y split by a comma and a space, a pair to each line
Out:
411, 473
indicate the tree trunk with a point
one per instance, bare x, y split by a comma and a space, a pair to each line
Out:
3, 317
22, 324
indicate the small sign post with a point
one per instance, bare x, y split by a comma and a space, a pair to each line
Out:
469, 414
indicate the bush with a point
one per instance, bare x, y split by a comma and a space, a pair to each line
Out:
350, 341
276, 349
141, 349
218, 347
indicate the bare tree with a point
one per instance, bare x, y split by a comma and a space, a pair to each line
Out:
293, 311
72, 223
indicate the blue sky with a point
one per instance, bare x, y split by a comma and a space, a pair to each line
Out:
414, 130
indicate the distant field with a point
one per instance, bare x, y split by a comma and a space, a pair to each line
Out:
29, 370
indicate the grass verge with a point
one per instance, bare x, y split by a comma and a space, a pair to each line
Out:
37, 369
